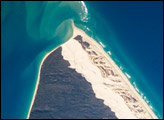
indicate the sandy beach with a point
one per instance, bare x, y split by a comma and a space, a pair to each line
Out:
131, 105
37, 83
109, 83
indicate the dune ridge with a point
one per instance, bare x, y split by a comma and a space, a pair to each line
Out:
109, 83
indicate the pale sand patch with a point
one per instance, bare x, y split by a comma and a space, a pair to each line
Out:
79, 60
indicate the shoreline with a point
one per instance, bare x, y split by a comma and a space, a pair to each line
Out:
114, 65
38, 80
123, 76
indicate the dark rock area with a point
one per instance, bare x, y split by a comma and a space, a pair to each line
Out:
78, 38
65, 94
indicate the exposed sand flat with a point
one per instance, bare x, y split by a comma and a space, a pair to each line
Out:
88, 58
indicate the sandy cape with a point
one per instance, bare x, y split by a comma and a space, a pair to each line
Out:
109, 83
89, 59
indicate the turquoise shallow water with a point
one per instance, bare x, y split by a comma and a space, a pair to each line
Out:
31, 29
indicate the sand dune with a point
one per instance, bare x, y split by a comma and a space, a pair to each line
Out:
108, 82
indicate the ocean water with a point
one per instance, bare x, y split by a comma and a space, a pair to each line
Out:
130, 32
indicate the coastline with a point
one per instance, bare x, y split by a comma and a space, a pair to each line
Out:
77, 31
38, 79
92, 41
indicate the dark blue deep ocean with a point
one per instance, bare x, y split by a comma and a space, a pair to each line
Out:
131, 31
